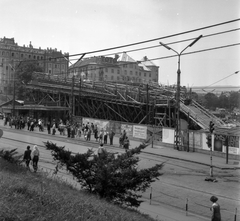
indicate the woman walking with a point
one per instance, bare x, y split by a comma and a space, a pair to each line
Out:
216, 215
35, 157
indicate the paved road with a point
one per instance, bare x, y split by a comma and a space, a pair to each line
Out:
167, 190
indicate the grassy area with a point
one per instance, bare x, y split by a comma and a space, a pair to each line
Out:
34, 196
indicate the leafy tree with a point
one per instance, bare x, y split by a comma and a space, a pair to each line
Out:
211, 101
24, 74
223, 100
116, 179
234, 100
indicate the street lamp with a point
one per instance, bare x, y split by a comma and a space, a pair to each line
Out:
178, 126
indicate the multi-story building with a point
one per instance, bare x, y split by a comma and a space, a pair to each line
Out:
11, 54
118, 69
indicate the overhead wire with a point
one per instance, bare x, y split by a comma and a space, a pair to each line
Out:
156, 39
171, 43
147, 41
175, 42
166, 57
236, 72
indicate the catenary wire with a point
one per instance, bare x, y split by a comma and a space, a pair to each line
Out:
151, 40
156, 39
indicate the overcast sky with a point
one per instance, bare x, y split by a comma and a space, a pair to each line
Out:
78, 26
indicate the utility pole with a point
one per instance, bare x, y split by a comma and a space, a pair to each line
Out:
178, 92
80, 88
72, 99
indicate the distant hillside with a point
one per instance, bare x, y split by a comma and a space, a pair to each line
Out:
215, 89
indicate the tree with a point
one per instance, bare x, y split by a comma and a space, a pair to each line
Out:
234, 99
116, 179
23, 75
211, 101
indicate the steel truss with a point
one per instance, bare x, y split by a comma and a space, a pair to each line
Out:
139, 104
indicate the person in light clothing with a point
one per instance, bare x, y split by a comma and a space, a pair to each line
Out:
35, 157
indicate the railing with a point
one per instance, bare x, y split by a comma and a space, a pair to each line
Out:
209, 114
198, 119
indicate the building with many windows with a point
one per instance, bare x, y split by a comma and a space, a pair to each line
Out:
11, 54
118, 69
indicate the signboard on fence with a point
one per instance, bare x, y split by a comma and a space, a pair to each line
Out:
100, 123
140, 132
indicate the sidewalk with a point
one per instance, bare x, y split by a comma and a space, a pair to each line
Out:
168, 152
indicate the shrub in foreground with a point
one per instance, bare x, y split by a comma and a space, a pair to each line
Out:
117, 179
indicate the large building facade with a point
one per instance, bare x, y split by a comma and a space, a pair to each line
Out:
11, 54
115, 69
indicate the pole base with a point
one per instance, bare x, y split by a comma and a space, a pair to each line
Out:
211, 179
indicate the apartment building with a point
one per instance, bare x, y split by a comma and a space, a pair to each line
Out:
11, 54
115, 69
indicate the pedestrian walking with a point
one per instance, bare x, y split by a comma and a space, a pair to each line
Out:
100, 136
105, 136
49, 127
126, 143
96, 134
89, 133
101, 149
111, 135
54, 127
216, 215
27, 156
35, 157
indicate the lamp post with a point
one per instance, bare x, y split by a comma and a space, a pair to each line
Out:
14, 91
178, 126
72, 90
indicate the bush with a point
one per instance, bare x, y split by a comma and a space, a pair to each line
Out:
116, 179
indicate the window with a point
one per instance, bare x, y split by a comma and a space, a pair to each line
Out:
118, 71
6, 67
130, 72
21, 55
125, 72
29, 56
12, 54
118, 78
34, 57
136, 73
106, 70
112, 70
150, 75
111, 77
140, 73
144, 74
55, 66
49, 71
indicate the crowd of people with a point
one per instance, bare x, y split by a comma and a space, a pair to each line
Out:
76, 130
